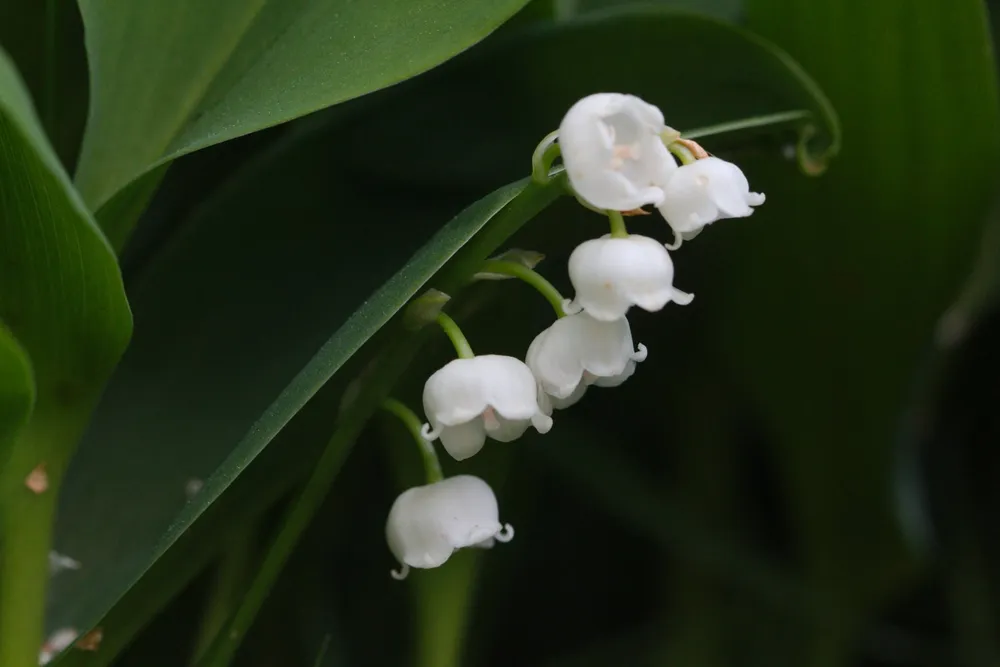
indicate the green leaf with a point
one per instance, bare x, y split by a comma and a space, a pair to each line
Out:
62, 298
833, 289
45, 39
196, 74
469, 140
183, 388
17, 391
723, 9
62, 294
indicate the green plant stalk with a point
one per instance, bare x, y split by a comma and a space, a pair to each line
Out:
444, 596
530, 276
432, 466
231, 576
455, 335
24, 572
682, 152
618, 229
392, 364
441, 596
26, 523
754, 122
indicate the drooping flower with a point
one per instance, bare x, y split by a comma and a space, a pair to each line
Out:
614, 156
577, 351
704, 191
612, 274
487, 395
428, 523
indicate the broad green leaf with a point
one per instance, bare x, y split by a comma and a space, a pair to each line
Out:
262, 313
45, 41
469, 140
62, 294
723, 9
62, 298
561, 10
171, 77
17, 391
833, 288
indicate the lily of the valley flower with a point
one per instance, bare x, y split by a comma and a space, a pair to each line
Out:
428, 523
612, 274
487, 395
577, 351
614, 156
704, 191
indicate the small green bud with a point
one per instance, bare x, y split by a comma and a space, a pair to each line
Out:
424, 309
526, 258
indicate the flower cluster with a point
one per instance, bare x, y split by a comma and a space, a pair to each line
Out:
619, 156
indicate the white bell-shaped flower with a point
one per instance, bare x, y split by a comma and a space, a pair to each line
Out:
577, 351
428, 523
487, 395
613, 153
612, 274
704, 191
550, 403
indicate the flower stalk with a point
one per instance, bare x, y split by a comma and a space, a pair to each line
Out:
618, 229
432, 466
455, 335
682, 152
531, 277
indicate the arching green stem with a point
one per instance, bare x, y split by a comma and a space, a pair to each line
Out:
432, 466
530, 276
454, 333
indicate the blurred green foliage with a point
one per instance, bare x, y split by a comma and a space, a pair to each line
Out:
801, 472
